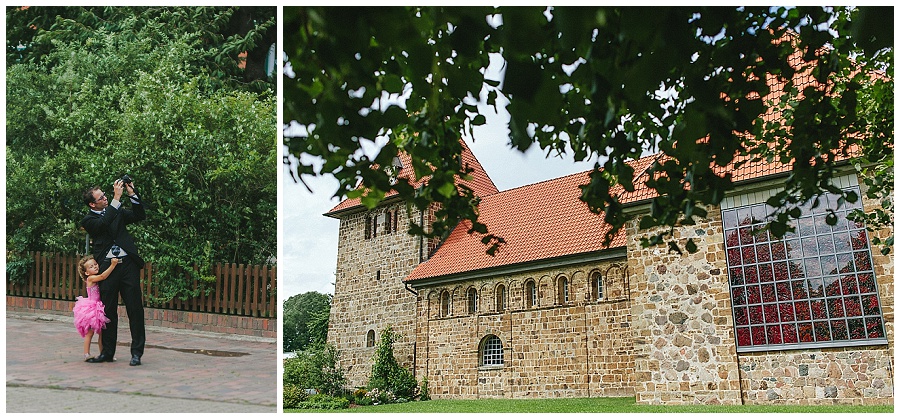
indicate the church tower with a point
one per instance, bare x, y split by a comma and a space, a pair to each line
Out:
375, 254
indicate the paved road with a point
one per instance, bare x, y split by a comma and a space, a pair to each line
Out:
182, 371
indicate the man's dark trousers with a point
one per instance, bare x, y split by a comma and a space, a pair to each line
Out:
125, 279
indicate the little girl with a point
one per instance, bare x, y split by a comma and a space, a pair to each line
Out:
89, 312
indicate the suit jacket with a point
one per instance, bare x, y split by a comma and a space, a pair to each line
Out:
110, 229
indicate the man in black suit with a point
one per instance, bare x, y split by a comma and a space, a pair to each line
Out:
106, 223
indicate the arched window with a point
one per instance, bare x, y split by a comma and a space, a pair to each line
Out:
491, 351
530, 294
445, 304
370, 338
472, 295
597, 286
368, 227
501, 297
562, 288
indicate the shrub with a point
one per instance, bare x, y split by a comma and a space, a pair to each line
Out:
424, 393
324, 402
293, 396
315, 368
387, 374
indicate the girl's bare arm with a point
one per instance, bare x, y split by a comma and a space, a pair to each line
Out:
105, 274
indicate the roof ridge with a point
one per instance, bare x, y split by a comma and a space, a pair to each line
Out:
543, 181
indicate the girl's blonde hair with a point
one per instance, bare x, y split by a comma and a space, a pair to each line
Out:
81, 270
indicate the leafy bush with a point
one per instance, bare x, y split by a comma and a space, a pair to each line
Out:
315, 368
293, 396
424, 393
324, 402
392, 380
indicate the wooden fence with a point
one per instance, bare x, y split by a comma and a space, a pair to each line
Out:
244, 290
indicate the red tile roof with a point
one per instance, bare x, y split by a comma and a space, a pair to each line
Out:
481, 184
539, 221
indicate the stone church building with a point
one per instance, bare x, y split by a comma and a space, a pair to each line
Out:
747, 319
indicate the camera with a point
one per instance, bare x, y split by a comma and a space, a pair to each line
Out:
125, 179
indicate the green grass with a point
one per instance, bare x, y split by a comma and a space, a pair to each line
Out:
587, 405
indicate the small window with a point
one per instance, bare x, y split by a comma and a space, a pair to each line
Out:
597, 286
378, 275
491, 351
530, 294
563, 290
368, 227
375, 226
473, 300
501, 297
445, 304
387, 223
370, 338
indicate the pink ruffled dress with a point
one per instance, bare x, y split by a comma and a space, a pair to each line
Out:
90, 312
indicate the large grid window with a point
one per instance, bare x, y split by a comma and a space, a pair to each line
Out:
491, 351
814, 288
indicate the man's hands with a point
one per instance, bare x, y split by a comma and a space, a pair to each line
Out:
130, 188
118, 186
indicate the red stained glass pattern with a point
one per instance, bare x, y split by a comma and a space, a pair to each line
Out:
852, 306
805, 330
789, 333
743, 336
815, 285
873, 327
802, 310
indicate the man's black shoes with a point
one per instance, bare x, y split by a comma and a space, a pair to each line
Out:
135, 360
100, 358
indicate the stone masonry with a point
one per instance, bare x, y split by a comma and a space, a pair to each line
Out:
369, 292
580, 348
681, 319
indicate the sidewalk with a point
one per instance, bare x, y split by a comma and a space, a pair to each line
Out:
181, 371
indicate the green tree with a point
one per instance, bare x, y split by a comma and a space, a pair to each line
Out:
305, 321
92, 100
605, 83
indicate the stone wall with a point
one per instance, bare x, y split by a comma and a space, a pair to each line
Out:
681, 319
685, 350
556, 349
856, 375
369, 293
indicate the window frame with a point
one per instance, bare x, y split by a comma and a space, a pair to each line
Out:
782, 279
597, 286
562, 289
494, 344
446, 304
531, 299
500, 297
472, 300
370, 338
